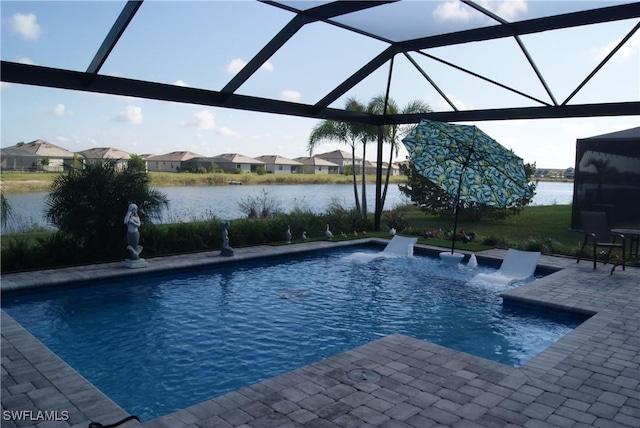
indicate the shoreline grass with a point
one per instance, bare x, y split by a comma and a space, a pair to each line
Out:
13, 182
24, 182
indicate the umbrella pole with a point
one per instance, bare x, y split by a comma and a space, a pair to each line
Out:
455, 216
455, 213
455, 223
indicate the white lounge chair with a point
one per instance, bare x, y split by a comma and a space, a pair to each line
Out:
517, 265
399, 246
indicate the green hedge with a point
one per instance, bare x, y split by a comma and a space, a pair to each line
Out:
20, 253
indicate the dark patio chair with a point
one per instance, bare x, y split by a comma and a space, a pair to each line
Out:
597, 234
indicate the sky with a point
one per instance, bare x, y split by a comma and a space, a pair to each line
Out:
203, 44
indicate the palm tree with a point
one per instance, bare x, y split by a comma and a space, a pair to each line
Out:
6, 211
344, 132
366, 134
393, 134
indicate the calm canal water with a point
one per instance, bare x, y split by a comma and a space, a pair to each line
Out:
201, 202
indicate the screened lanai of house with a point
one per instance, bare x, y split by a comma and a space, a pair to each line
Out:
334, 49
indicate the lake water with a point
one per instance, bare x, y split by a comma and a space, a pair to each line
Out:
200, 202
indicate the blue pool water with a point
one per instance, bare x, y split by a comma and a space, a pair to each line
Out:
158, 344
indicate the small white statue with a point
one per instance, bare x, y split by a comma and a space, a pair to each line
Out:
132, 220
288, 235
226, 248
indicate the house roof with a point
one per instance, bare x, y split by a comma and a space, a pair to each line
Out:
371, 164
277, 160
235, 158
336, 154
15, 152
174, 157
42, 148
315, 161
627, 134
105, 153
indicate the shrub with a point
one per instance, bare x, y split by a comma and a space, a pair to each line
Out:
18, 254
493, 241
260, 206
341, 219
395, 220
545, 246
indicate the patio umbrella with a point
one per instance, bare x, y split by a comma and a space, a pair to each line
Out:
467, 164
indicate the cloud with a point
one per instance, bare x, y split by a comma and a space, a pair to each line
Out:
628, 50
235, 66
180, 83
226, 132
455, 100
26, 26
453, 11
238, 64
509, 9
290, 95
203, 119
131, 114
26, 60
61, 139
265, 135
60, 110
457, 11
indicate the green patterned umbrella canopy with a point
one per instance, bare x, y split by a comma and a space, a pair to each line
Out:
467, 164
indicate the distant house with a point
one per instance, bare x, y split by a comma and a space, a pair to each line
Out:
569, 173
370, 168
343, 160
231, 162
198, 164
101, 154
541, 173
170, 162
317, 165
37, 155
280, 165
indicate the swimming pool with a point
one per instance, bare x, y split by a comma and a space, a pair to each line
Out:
159, 344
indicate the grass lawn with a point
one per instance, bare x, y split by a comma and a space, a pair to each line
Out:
533, 224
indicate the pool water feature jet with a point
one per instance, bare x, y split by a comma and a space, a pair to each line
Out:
451, 259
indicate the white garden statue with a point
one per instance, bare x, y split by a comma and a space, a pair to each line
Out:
132, 221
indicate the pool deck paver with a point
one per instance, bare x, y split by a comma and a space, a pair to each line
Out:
589, 378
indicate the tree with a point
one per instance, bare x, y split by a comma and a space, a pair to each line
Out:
89, 204
6, 211
136, 162
393, 134
44, 162
343, 132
